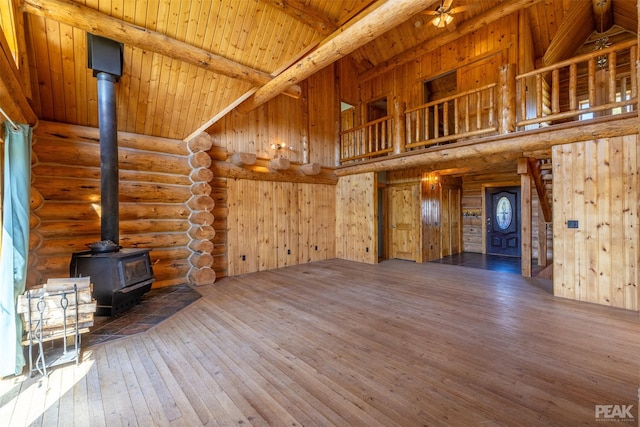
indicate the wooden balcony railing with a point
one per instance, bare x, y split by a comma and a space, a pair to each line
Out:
371, 139
602, 82
463, 115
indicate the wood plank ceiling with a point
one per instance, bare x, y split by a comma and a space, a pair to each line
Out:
163, 96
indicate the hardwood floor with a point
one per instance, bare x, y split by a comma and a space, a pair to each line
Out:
349, 344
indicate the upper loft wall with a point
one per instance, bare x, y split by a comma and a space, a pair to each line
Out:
406, 81
285, 120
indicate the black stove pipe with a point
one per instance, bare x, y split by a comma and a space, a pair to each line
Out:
109, 178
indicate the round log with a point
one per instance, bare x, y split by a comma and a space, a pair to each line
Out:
201, 218
200, 160
200, 260
279, 164
202, 232
86, 154
53, 130
34, 221
220, 211
35, 241
180, 252
154, 226
82, 211
220, 249
220, 263
155, 240
201, 203
219, 182
220, 237
219, 195
241, 159
56, 229
218, 153
199, 188
310, 168
35, 198
69, 189
201, 175
202, 142
201, 276
204, 246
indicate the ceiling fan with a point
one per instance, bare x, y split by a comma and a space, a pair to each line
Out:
444, 13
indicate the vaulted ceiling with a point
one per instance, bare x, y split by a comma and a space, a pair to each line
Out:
187, 63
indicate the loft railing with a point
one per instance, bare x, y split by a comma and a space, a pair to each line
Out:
371, 139
600, 83
591, 85
467, 114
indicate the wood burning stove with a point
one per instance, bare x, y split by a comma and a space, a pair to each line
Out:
119, 278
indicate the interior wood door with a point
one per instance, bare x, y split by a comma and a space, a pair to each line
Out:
503, 221
404, 213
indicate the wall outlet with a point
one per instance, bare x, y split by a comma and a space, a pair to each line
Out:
244, 257
288, 251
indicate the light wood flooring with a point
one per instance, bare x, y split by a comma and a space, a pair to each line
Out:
349, 344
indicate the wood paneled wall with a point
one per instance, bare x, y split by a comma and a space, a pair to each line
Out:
277, 224
314, 117
155, 192
357, 218
473, 213
405, 82
596, 184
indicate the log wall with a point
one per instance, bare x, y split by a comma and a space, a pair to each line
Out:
357, 218
161, 206
595, 183
278, 224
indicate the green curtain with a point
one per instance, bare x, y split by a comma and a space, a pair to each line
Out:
15, 244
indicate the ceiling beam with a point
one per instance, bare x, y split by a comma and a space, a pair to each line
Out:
576, 26
100, 24
308, 16
463, 28
602, 15
496, 148
12, 97
371, 24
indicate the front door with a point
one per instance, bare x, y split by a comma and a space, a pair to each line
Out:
503, 221
405, 221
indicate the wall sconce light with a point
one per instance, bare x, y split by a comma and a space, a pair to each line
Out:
279, 146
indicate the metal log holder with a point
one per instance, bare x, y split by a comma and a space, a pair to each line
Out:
36, 337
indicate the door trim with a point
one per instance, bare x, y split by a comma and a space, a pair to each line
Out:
507, 183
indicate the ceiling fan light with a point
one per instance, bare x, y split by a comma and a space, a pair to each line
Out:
442, 20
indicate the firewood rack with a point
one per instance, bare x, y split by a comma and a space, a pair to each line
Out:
36, 315
63, 308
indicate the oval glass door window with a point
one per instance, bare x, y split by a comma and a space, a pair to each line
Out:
504, 213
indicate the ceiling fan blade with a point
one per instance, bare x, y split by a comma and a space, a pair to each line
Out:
463, 8
446, 5
430, 12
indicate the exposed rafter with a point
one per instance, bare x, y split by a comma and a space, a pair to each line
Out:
304, 14
464, 28
371, 24
12, 97
574, 30
95, 22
